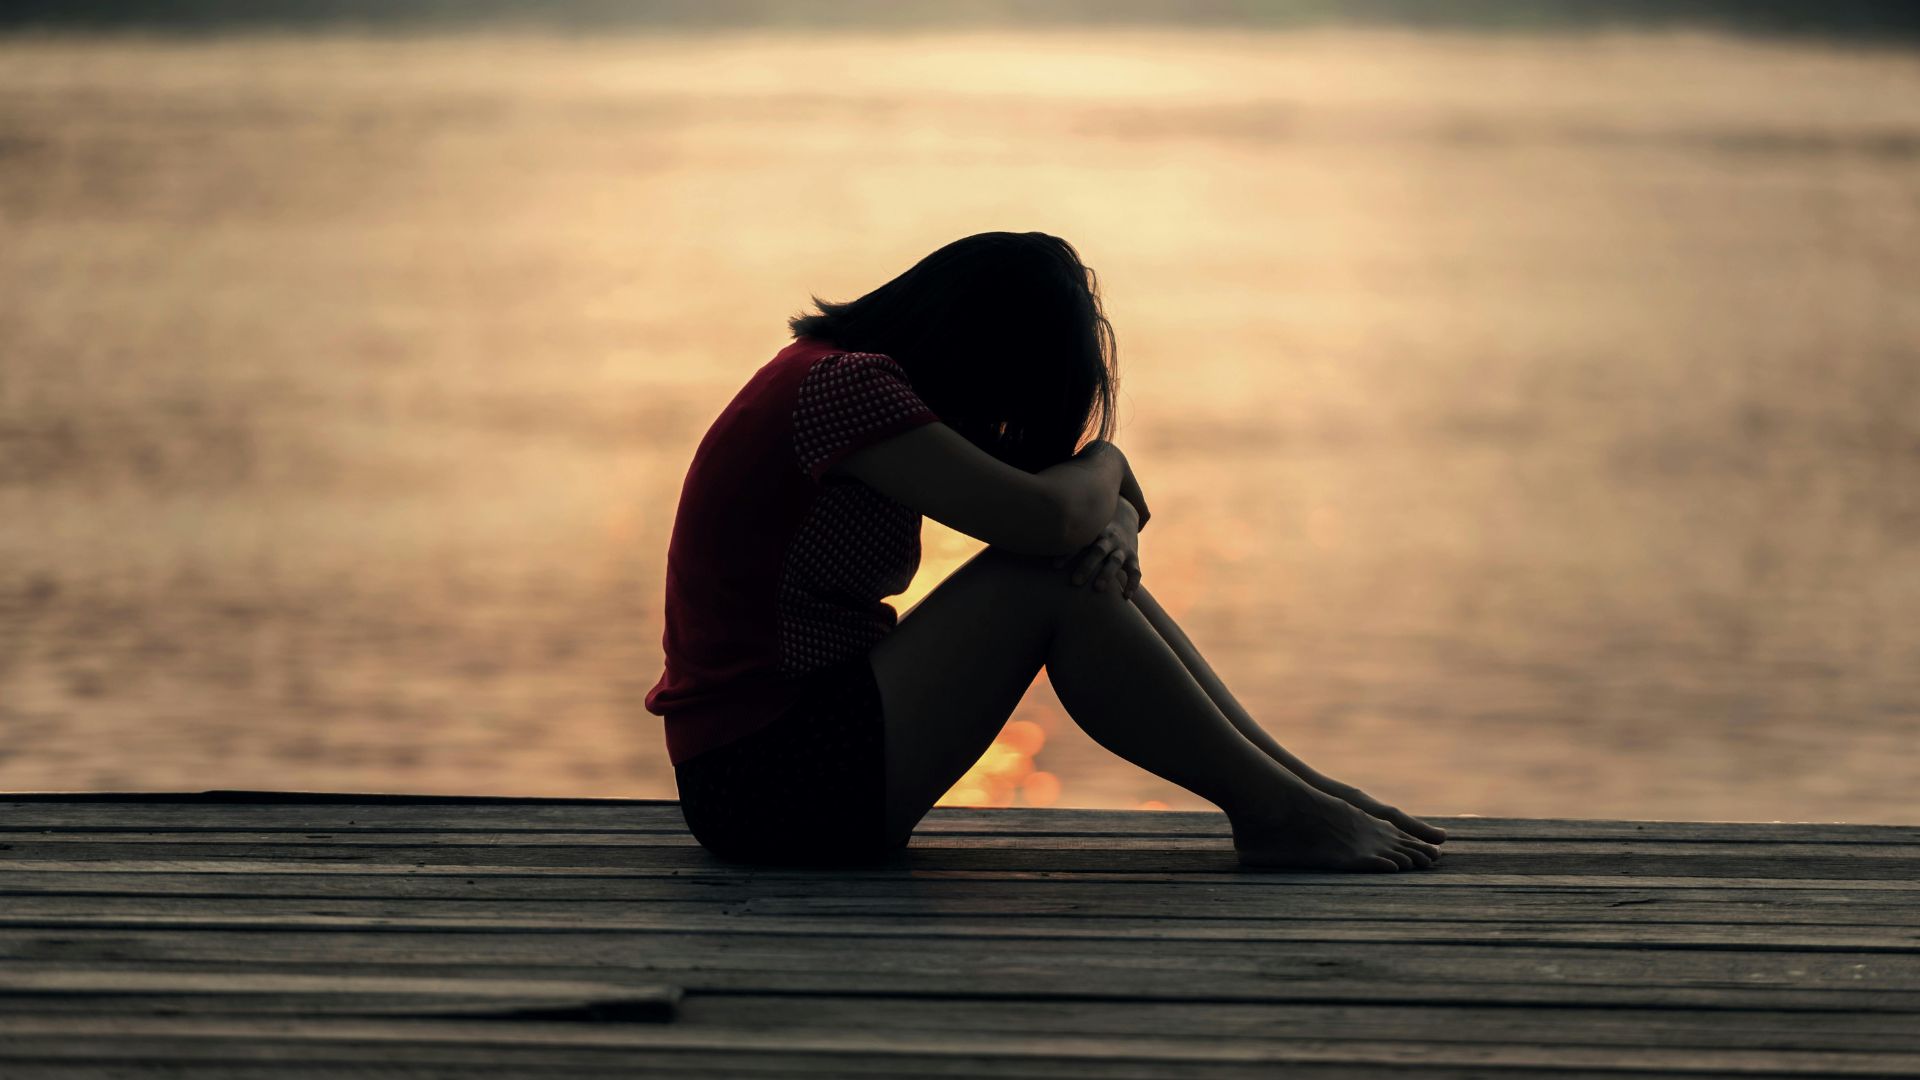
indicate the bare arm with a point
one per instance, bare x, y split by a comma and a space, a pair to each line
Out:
1131, 493
935, 470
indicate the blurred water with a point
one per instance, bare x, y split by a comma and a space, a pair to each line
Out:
1532, 424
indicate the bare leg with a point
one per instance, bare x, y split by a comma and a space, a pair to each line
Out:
1231, 708
953, 670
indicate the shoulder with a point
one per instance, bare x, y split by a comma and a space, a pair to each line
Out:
841, 377
834, 363
848, 400
854, 380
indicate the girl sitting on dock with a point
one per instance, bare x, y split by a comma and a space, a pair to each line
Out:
806, 722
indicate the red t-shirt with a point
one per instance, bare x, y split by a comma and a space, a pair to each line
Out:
775, 570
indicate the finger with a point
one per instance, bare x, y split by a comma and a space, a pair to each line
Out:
1133, 577
1090, 560
1111, 572
1089, 563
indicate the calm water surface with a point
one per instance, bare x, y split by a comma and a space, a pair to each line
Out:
1532, 424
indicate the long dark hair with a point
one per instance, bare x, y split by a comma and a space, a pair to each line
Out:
1002, 336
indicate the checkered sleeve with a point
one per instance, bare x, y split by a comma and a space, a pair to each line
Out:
849, 401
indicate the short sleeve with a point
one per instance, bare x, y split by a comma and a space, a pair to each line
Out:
849, 401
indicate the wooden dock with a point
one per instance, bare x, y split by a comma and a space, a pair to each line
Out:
260, 935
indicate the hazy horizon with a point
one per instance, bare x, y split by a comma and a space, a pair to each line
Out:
1856, 21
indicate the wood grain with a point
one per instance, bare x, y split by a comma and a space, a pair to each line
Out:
247, 934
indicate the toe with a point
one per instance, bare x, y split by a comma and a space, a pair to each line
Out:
1424, 848
1400, 858
1421, 860
1377, 863
1420, 829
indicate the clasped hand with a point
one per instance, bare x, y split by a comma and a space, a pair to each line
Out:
1112, 560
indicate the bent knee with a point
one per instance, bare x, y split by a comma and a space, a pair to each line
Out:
1039, 572
1009, 557
1037, 567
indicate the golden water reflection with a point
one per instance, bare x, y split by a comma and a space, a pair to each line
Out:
1529, 421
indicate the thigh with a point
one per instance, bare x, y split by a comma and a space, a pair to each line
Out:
951, 673
808, 788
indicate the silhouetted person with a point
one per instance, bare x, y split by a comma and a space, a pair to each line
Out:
804, 724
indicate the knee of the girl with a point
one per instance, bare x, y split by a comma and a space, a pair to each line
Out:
1085, 596
995, 551
1045, 574
1021, 562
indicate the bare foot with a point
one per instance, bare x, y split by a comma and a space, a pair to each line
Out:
1325, 833
1393, 815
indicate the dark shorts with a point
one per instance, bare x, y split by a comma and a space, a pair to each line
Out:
808, 788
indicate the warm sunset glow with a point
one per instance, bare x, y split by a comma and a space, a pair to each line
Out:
1006, 763
1527, 418
1153, 804
1323, 527
941, 552
1040, 789
1007, 768
1025, 736
966, 795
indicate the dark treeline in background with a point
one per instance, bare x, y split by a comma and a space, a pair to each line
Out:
1860, 20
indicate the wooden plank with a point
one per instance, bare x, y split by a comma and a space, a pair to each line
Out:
477, 818
1100, 981
1756, 1030
1385, 895
363, 995
1149, 856
207, 1064
238, 1059
204, 1060
1035, 901
1181, 970
859, 953
1139, 868
207, 933
1376, 932
672, 1065
1134, 1050
253, 873
621, 816
157, 843
1642, 906
1038, 822
1706, 1029
1692, 935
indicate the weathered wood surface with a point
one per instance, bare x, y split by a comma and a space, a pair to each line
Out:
261, 934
